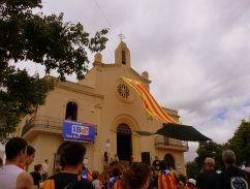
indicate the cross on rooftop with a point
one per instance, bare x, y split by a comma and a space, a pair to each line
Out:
121, 36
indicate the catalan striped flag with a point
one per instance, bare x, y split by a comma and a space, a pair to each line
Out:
167, 181
150, 104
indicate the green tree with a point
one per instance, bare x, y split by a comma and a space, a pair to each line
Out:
193, 169
209, 149
42, 39
240, 143
206, 149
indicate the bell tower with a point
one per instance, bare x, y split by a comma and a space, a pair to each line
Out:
122, 54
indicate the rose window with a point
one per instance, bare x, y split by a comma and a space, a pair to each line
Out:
123, 90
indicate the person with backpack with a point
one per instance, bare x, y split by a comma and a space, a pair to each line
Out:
232, 177
36, 175
71, 155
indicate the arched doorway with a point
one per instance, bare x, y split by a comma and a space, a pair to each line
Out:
169, 160
71, 111
124, 142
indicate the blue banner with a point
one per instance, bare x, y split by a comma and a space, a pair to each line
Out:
76, 131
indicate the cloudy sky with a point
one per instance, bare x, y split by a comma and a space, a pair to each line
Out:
197, 53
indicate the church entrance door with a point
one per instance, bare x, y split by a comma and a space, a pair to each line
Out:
124, 142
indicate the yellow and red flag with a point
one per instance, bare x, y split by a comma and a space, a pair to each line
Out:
166, 181
150, 104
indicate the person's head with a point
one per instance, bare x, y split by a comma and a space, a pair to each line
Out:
209, 164
138, 176
46, 161
116, 169
71, 155
156, 158
15, 151
95, 175
38, 168
229, 158
30, 155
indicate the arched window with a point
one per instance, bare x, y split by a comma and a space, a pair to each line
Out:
71, 111
169, 160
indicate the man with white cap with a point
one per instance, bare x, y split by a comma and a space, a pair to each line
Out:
191, 184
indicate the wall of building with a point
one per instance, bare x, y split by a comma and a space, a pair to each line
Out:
46, 146
99, 102
55, 105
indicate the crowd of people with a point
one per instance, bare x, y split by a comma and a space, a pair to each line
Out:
116, 175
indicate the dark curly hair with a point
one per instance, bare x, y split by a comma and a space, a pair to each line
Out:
116, 169
71, 153
137, 175
15, 146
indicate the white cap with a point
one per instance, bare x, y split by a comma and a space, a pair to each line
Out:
192, 181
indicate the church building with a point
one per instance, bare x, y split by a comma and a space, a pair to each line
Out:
116, 110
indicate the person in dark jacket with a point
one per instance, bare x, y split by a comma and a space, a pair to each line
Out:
208, 178
232, 177
36, 175
156, 164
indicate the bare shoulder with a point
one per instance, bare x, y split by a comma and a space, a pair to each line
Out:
24, 181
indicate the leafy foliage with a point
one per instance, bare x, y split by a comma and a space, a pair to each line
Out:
206, 149
21, 96
209, 149
192, 169
43, 39
240, 143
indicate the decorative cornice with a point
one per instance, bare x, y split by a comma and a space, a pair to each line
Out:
107, 65
79, 89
